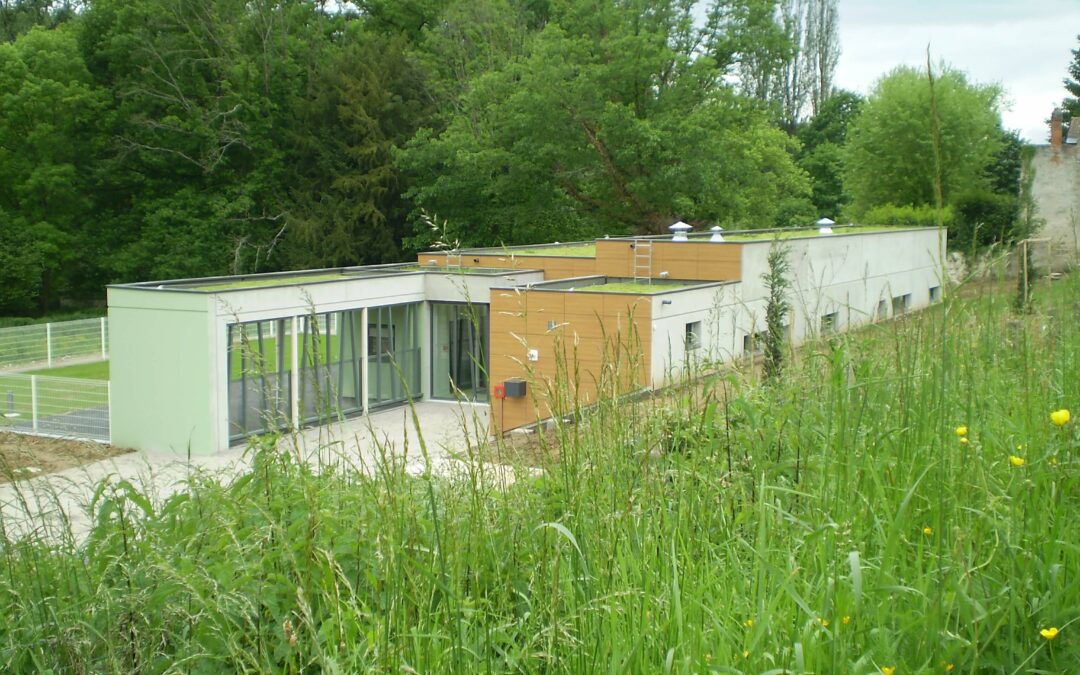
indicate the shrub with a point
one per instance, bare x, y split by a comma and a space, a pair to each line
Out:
911, 216
982, 219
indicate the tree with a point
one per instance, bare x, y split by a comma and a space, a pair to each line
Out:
823, 50
345, 192
1071, 103
889, 153
822, 153
777, 307
793, 74
19, 16
48, 128
576, 139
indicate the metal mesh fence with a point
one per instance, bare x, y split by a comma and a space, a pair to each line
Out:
55, 406
50, 343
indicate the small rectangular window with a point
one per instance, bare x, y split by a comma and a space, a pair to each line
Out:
693, 335
935, 294
755, 343
828, 323
900, 304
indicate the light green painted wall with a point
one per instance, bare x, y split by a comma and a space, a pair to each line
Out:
161, 371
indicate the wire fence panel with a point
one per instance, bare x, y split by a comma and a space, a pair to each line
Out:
55, 406
50, 343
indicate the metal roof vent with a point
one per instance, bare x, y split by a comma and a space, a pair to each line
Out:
825, 226
679, 231
716, 236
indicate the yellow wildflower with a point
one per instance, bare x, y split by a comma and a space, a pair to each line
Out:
1016, 461
928, 531
846, 620
749, 623
964, 440
948, 667
824, 622
1049, 633
1060, 417
888, 670
961, 431
746, 653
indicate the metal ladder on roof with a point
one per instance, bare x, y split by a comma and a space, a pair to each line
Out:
643, 260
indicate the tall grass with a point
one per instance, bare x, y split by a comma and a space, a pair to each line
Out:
833, 522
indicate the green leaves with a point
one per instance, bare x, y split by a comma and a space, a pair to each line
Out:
890, 146
602, 126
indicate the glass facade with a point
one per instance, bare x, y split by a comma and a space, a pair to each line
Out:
332, 366
393, 354
459, 351
261, 371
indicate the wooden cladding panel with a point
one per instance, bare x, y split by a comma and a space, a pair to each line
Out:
691, 260
590, 328
615, 257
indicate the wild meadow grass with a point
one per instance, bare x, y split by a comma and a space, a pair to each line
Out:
835, 522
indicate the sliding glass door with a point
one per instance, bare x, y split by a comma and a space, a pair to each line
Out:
459, 348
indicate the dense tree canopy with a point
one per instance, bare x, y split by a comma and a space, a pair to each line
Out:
890, 154
147, 139
574, 139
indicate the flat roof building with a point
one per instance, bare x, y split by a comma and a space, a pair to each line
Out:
201, 364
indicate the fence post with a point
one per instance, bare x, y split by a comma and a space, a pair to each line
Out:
108, 406
48, 343
104, 342
33, 403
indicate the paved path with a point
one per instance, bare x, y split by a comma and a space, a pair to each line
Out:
46, 502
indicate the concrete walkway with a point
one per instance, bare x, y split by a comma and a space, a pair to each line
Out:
44, 504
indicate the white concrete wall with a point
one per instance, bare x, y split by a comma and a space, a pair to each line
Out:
476, 288
843, 273
715, 306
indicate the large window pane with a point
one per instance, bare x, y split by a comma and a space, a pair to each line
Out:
393, 354
459, 335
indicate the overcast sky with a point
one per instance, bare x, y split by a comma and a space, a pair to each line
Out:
1024, 46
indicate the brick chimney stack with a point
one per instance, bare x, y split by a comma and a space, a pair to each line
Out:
1056, 128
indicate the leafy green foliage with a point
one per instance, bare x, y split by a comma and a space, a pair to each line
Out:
1071, 104
889, 156
822, 154
48, 123
777, 307
572, 139
914, 216
983, 218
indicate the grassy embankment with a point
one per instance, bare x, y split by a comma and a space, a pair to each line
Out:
835, 523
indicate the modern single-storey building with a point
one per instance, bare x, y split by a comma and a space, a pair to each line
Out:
201, 364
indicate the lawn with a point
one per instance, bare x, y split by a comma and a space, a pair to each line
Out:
570, 251
284, 280
902, 500
639, 287
96, 370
